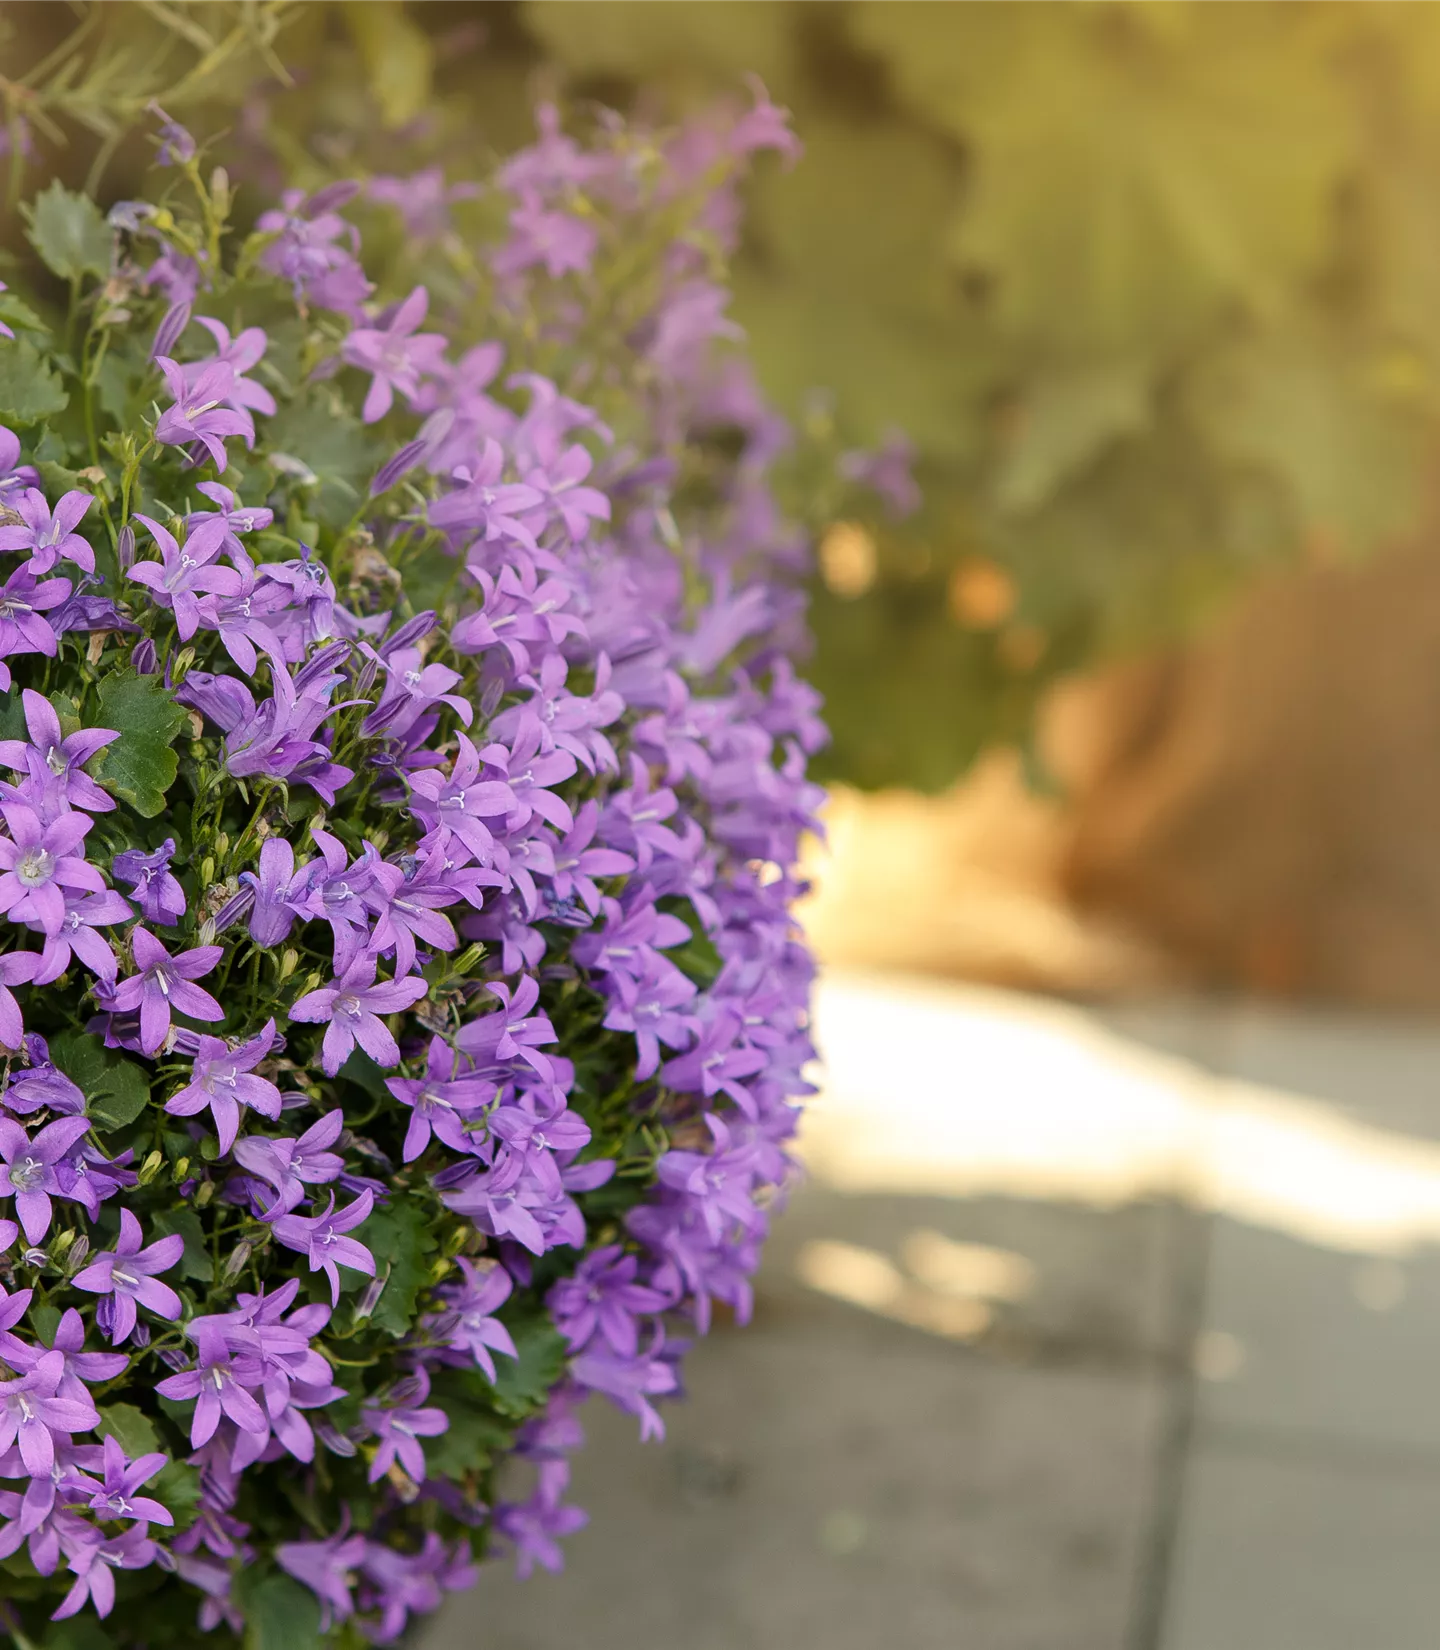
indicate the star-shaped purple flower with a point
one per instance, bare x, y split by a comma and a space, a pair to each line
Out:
351, 1006
128, 1274
223, 1079
162, 983
29, 1172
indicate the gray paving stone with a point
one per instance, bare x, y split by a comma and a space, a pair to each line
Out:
1297, 1554
1329, 1344
837, 1481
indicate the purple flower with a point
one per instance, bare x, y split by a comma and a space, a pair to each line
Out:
467, 1324
223, 1079
128, 1273
38, 864
177, 147
14, 476
886, 472
24, 600
162, 983
80, 1366
150, 880
16, 968
49, 537
402, 1583
629, 1380
464, 802
306, 250
322, 1241
290, 1165
200, 412
396, 356
533, 1526
603, 1298
77, 934
29, 1174
400, 1424
114, 1496
93, 1563
218, 1384
186, 576
56, 763
271, 916
326, 1568
350, 1007
240, 354
444, 1100
559, 240
32, 1414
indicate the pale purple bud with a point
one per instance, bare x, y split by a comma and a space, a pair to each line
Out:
125, 548
144, 658
389, 473
334, 1440
411, 631
328, 198
167, 334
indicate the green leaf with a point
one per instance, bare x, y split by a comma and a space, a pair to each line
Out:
46, 1320
1344, 429
399, 57
122, 1094
475, 1433
280, 1614
195, 1262
177, 1486
69, 232
697, 959
29, 391
714, 39
140, 766
521, 1384
1134, 177
399, 1236
116, 1090
134, 1432
1063, 420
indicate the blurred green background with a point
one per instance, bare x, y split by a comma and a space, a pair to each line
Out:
1153, 288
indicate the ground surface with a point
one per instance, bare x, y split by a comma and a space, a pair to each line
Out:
1111, 1331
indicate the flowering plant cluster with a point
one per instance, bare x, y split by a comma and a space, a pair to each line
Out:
403, 776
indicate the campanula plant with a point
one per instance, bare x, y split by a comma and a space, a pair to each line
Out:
403, 771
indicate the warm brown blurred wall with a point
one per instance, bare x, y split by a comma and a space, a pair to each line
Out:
1267, 802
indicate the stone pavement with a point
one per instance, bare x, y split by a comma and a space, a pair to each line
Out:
1110, 1330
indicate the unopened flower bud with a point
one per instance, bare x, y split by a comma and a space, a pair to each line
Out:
205, 1193
181, 667
125, 548
78, 1255
206, 934
35, 1257
289, 962
207, 869
61, 1244
181, 1169
239, 1259
149, 1168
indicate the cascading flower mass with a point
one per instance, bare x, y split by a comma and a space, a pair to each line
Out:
404, 1012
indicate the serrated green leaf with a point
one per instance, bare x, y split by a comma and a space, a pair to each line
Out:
521, 1384
475, 1434
399, 1237
195, 1262
29, 391
139, 767
134, 1432
280, 1614
69, 232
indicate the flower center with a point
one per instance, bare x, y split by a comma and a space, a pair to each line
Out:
27, 1174
348, 1006
34, 867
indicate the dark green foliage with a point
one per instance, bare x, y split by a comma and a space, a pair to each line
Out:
140, 766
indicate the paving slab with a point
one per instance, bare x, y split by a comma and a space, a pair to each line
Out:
836, 1479
1297, 1553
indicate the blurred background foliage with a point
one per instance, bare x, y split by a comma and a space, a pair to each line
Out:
1154, 288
